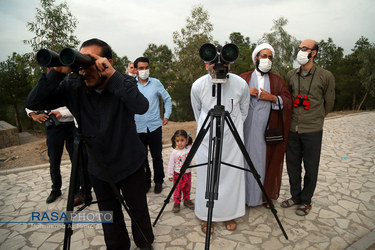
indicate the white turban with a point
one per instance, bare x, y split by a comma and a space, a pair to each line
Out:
261, 47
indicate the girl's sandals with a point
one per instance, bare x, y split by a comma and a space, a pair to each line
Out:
204, 227
230, 225
303, 210
288, 203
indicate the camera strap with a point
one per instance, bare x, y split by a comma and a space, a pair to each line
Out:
299, 82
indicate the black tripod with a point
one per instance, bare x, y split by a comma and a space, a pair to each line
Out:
79, 163
221, 117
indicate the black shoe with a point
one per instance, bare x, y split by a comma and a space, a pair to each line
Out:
148, 186
53, 196
146, 248
158, 188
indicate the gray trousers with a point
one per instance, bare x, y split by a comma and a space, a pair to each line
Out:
304, 147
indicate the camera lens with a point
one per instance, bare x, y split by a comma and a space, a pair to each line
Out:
208, 52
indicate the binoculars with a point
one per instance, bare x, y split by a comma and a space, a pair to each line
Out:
67, 57
221, 57
225, 55
299, 101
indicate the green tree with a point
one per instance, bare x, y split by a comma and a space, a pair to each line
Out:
53, 27
244, 62
329, 55
189, 66
161, 60
364, 51
120, 63
14, 87
284, 44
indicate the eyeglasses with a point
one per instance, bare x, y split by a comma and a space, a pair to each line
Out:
266, 56
304, 48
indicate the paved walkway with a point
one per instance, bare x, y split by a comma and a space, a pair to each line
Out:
343, 214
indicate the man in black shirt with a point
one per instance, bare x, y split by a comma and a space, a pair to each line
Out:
104, 105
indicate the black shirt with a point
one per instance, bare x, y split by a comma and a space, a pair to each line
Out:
106, 119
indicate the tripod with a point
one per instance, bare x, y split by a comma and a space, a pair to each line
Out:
81, 146
220, 116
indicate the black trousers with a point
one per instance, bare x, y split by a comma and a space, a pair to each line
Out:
56, 138
153, 140
304, 147
133, 190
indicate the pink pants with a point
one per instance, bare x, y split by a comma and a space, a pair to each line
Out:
183, 187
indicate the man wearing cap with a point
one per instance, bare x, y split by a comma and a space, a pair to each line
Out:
268, 92
313, 90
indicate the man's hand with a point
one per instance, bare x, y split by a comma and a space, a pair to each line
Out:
165, 121
56, 113
264, 95
103, 65
253, 91
63, 69
40, 118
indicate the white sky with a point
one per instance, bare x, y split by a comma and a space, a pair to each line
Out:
129, 26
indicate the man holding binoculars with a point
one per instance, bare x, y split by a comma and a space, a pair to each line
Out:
313, 91
104, 103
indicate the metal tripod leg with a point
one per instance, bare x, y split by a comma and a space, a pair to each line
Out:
79, 144
252, 168
214, 162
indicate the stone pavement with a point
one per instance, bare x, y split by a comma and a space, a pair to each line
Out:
342, 217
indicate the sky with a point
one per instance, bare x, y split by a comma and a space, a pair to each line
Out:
129, 26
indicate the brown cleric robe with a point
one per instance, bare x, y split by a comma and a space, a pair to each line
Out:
275, 152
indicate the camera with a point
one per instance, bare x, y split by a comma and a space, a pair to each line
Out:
51, 120
221, 57
67, 57
302, 101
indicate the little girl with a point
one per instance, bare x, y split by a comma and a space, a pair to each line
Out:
181, 144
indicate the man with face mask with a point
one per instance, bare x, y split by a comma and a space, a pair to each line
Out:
235, 98
313, 91
104, 104
267, 91
149, 124
131, 70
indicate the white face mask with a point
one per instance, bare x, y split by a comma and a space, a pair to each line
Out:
133, 75
144, 74
265, 65
302, 57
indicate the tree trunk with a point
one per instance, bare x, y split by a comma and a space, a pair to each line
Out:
354, 100
364, 98
17, 118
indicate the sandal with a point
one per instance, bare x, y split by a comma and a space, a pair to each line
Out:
230, 225
266, 205
303, 210
204, 227
288, 203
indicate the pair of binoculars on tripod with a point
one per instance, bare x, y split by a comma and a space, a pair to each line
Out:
67, 57
302, 101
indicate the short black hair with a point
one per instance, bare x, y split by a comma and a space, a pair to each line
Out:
140, 59
106, 49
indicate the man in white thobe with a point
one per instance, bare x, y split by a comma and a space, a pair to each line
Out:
231, 199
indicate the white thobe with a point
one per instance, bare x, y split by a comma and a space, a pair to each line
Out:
235, 97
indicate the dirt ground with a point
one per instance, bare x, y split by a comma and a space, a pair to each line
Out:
33, 149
